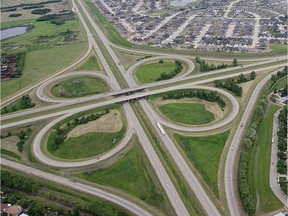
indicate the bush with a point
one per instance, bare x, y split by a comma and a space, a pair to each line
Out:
41, 11
15, 15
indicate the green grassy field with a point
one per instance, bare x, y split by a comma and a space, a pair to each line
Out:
259, 166
150, 72
129, 174
205, 153
79, 87
41, 63
85, 146
90, 64
187, 113
48, 48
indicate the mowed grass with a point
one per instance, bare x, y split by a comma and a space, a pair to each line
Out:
79, 86
39, 64
129, 174
260, 166
91, 64
150, 72
85, 146
187, 113
205, 153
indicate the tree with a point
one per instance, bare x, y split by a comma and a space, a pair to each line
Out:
252, 75
235, 62
161, 61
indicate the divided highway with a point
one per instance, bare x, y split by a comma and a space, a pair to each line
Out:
133, 124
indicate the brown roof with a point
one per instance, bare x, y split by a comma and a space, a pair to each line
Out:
3, 207
14, 210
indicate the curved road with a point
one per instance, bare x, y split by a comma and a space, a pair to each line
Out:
229, 177
133, 208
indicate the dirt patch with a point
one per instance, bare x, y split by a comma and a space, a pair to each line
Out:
10, 143
109, 123
210, 106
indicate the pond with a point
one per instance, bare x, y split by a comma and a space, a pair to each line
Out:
11, 32
179, 3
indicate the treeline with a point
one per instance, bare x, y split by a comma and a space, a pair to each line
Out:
19, 182
209, 67
232, 84
199, 93
15, 15
25, 102
165, 76
57, 19
20, 57
61, 133
246, 147
282, 142
30, 185
26, 6
41, 11
279, 75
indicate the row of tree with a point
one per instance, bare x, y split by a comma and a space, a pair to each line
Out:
28, 5
177, 70
246, 146
57, 19
199, 93
209, 67
61, 133
30, 185
41, 11
25, 103
282, 142
232, 84
279, 75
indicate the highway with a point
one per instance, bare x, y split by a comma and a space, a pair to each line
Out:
229, 176
40, 93
133, 124
130, 206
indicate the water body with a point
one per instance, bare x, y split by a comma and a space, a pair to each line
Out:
11, 32
179, 3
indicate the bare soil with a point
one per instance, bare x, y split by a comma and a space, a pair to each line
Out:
9, 143
109, 123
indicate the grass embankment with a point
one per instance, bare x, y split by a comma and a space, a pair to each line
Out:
129, 174
79, 87
187, 113
181, 186
150, 72
91, 64
108, 29
205, 153
84, 146
48, 48
259, 166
